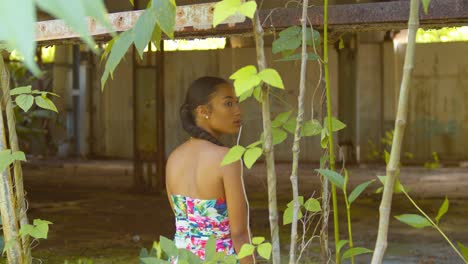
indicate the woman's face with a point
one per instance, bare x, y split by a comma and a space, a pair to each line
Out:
224, 114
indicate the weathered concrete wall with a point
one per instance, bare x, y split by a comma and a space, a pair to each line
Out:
181, 68
113, 112
438, 113
113, 117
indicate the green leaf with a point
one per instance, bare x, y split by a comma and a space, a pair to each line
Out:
312, 205
189, 257
413, 220
258, 94
234, 154
97, 10
358, 190
18, 29
168, 246
279, 135
165, 15
386, 156
230, 259
341, 44
464, 250
224, 9
144, 28
244, 72
290, 125
288, 40
246, 95
248, 9
251, 156
24, 101
26, 230
108, 48
336, 178
336, 124
118, 51
289, 32
156, 37
355, 251
264, 250
210, 249
157, 248
18, 155
245, 79
21, 90
425, 4
324, 138
311, 128
45, 103
73, 13
340, 245
288, 215
298, 56
41, 228
132, 2
7, 157
301, 201
272, 77
246, 250
281, 118
313, 38
398, 188
257, 240
256, 143
442, 210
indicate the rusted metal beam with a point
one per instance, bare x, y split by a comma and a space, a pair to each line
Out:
196, 20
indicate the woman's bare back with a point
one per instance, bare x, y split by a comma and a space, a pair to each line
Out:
194, 170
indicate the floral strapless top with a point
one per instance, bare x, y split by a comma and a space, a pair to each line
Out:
196, 220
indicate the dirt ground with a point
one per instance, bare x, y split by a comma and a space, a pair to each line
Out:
97, 215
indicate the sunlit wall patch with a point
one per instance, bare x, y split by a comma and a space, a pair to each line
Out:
191, 44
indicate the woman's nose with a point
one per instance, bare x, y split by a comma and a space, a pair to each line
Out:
237, 110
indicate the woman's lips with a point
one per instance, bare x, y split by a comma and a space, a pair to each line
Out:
237, 123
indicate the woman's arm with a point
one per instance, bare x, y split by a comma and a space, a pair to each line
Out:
168, 171
237, 207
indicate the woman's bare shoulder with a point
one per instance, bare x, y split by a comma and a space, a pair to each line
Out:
202, 148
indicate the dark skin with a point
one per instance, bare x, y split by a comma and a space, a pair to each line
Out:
194, 168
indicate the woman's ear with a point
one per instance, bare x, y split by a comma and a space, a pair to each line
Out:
203, 111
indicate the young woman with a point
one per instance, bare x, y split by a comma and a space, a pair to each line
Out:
207, 198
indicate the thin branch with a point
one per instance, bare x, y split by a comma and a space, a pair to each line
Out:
400, 123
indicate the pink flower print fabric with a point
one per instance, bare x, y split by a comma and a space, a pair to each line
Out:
196, 220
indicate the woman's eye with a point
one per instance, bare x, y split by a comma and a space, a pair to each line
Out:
229, 104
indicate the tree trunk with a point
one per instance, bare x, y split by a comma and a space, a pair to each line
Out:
18, 172
268, 145
400, 123
7, 206
297, 136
